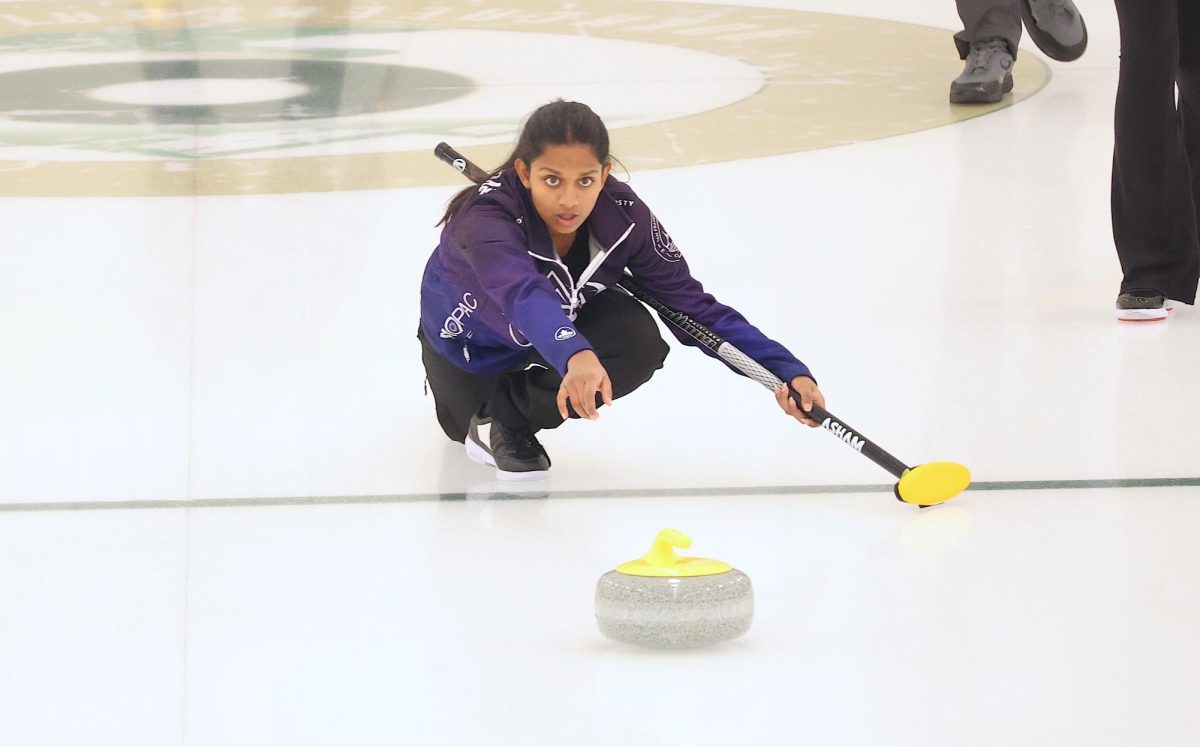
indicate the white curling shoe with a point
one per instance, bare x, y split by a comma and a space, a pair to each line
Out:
515, 453
1143, 305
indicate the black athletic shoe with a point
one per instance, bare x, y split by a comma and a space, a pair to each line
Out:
986, 75
1056, 27
1142, 305
515, 453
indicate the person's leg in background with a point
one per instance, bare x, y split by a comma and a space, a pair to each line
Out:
985, 20
1153, 210
1188, 80
988, 44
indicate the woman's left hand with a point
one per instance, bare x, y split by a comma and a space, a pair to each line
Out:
809, 393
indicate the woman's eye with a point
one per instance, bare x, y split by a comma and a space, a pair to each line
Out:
586, 181
552, 181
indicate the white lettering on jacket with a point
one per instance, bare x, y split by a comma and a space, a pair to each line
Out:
843, 434
662, 242
453, 326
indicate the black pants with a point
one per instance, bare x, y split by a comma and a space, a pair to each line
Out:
1156, 158
988, 19
623, 335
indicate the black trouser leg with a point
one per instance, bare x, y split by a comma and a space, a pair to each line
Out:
1153, 207
988, 19
457, 395
1188, 80
624, 338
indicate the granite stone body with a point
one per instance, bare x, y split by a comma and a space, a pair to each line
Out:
667, 612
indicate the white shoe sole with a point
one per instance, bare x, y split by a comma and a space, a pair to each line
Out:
1145, 315
1140, 315
477, 453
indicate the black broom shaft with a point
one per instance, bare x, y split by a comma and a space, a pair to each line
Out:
461, 163
754, 370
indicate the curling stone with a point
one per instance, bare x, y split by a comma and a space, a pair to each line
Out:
666, 601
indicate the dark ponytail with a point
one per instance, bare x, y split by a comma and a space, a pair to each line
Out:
557, 123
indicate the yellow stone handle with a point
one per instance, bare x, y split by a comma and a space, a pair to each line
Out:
662, 552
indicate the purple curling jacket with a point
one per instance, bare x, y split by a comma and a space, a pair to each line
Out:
494, 289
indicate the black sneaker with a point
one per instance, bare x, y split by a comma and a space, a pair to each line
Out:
1056, 27
1142, 305
986, 75
515, 453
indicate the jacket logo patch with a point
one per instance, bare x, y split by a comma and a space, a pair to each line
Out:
564, 333
662, 241
453, 326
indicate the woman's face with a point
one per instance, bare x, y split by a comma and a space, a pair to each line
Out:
565, 182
